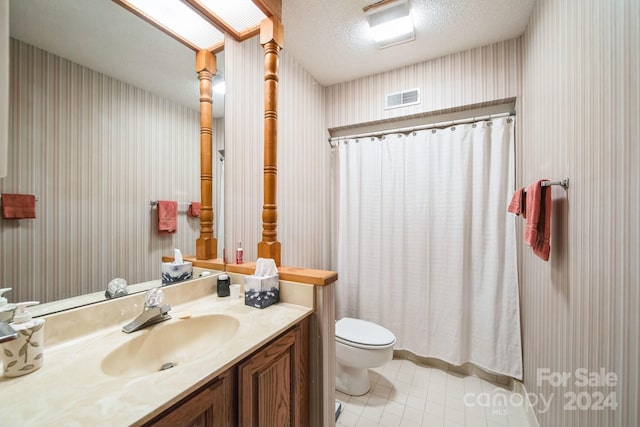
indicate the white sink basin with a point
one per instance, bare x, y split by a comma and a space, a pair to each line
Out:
167, 344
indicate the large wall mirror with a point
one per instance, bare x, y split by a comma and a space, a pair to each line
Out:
104, 119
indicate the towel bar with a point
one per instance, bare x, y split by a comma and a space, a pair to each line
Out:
181, 205
564, 183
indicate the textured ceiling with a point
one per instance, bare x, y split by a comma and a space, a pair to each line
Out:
328, 38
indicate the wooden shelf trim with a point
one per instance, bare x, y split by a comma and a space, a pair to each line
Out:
291, 274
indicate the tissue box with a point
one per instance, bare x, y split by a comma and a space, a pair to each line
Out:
173, 273
261, 292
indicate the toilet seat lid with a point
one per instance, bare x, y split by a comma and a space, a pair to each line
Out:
360, 331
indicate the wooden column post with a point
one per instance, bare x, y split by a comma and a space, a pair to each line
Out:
271, 39
206, 244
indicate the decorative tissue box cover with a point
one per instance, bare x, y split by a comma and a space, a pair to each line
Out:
261, 292
172, 273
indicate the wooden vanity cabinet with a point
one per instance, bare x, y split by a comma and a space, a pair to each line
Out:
270, 388
212, 406
273, 383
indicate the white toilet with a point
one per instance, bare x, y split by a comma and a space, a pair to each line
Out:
360, 345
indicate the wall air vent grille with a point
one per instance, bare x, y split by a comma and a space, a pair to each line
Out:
402, 99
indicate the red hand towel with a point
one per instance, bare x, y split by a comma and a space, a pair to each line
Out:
18, 206
516, 205
194, 209
537, 232
167, 217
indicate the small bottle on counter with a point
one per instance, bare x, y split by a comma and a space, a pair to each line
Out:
223, 285
24, 354
239, 253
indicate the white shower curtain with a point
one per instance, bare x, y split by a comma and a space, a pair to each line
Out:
424, 244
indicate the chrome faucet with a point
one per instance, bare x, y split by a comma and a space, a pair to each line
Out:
7, 333
154, 312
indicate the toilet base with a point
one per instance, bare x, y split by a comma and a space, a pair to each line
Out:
352, 381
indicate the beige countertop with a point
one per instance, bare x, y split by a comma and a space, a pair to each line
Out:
72, 389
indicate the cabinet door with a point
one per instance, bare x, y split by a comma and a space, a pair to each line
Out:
273, 386
213, 406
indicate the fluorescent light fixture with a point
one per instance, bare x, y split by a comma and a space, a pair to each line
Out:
178, 20
240, 15
390, 22
392, 29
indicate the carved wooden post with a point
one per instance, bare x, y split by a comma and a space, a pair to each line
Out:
271, 39
206, 244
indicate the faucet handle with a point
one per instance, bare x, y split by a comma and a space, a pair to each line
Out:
153, 298
116, 288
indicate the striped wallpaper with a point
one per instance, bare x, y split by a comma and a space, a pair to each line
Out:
96, 151
579, 118
4, 86
218, 183
471, 77
243, 147
303, 158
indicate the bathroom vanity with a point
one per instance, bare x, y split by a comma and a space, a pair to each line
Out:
244, 394
228, 359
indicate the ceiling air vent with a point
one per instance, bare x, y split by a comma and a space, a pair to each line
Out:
402, 99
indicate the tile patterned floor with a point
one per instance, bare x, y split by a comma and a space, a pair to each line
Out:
408, 394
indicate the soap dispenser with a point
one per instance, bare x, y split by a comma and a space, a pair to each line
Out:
24, 355
6, 309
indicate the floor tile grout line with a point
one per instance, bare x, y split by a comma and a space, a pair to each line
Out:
399, 387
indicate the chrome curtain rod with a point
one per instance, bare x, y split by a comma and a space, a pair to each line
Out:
407, 130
